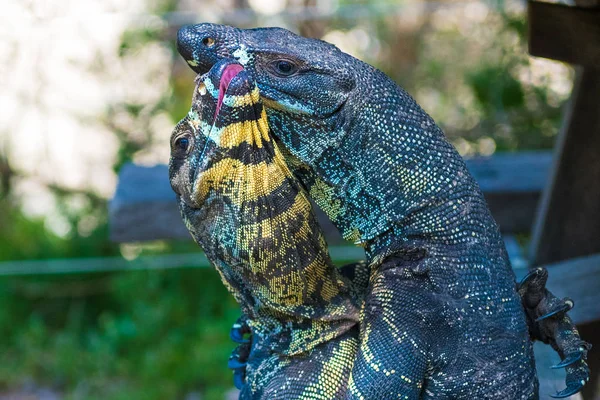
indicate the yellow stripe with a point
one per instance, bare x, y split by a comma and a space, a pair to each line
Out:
248, 181
266, 228
247, 99
290, 288
273, 104
251, 132
331, 376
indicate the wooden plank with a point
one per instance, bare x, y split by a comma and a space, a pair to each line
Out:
521, 172
568, 221
511, 184
565, 33
144, 205
515, 253
587, 3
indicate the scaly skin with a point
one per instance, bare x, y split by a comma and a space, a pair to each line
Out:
253, 219
442, 318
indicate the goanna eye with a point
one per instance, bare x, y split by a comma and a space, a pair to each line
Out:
285, 67
208, 42
181, 146
182, 143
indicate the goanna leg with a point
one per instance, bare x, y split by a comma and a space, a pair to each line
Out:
357, 273
548, 322
393, 348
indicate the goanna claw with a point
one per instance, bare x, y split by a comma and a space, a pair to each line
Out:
549, 322
563, 308
533, 273
239, 369
235, 363
568, 361
238, 330
238, 362
237, 336
239, 376
568, 391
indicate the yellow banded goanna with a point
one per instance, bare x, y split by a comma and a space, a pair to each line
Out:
255, 222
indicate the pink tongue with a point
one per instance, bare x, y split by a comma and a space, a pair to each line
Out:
228, 74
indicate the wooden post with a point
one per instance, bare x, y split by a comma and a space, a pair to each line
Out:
568, 218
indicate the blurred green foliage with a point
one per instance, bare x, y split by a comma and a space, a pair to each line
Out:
163, 334
132, 335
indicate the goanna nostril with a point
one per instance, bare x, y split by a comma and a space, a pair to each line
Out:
185, 40
198, 47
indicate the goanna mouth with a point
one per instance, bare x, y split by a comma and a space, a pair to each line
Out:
229, 72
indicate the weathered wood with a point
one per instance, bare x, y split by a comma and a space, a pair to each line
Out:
568, 221
512, 184
144, 205
565, 33
587, 3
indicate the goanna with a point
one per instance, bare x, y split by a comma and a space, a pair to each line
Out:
255, 222
442, 316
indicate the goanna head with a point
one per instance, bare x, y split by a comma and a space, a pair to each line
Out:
236, 193
305, 83
244, 207
214, 167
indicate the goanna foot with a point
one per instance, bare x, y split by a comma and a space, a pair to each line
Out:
548, 322
237, 362
239, 330
577, 376
239, 333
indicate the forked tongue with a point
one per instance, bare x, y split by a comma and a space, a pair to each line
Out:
229, 72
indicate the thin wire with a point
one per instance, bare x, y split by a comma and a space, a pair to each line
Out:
157, 262
101, 264
339, 255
